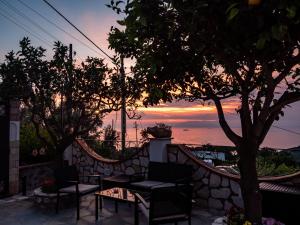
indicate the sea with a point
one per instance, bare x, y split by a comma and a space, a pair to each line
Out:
276, 138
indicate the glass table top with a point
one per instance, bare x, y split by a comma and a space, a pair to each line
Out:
117, 193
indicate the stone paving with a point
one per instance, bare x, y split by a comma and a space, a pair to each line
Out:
20, 210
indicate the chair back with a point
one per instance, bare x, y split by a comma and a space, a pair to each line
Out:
171, 201
65, 174
170, 172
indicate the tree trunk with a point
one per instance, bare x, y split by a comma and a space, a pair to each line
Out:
60, 148
249, 182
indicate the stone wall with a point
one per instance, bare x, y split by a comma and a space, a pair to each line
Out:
216, 189
35, 174
89, 162
212, 188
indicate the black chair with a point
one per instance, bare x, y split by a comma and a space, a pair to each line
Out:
67, 181
121, 180
165, 174
165, 205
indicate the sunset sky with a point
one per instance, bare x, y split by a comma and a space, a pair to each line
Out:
95, 19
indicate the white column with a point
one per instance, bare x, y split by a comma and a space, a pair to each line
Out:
14, 142
158, 149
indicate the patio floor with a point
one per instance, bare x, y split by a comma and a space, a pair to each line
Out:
20, 210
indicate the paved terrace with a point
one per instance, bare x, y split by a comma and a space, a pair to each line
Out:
20, 210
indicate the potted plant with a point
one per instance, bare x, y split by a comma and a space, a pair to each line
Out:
48, 185
161, 130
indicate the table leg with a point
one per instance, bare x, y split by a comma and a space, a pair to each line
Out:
101, 203
96, 207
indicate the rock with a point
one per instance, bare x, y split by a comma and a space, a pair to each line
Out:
223, 193
128, 162
225, 182
235, 187
215, 180
238, 201
202, 202
136, 162
215, 203
203, 192
227, 205
220, 220
144, 161
199, 174
205, 181
129, 171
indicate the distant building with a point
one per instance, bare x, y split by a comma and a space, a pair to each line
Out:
208, 155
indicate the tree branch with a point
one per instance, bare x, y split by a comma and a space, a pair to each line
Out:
285, 99
227, 130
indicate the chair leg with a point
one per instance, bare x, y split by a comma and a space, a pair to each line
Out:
78, 206
190, 221
136, 213
57, 202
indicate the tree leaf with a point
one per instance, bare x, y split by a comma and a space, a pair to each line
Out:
291, 11
231, 7
279, 31
260, 44
121, 22
233, 13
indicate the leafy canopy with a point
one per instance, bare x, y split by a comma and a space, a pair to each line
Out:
66, 100
213, 50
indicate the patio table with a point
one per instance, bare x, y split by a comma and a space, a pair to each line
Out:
117, 194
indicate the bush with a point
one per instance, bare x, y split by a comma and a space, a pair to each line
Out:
32, 149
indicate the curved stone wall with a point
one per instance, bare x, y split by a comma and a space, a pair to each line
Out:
89, 162
213, 188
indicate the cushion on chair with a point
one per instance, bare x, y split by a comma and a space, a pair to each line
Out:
149, 184
83, 188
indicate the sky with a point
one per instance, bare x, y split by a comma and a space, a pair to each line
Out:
95, 20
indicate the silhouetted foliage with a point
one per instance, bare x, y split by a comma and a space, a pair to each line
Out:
212, 50
65, 100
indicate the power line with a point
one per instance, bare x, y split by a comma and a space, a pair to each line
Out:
78, 30
23, 27
291, 131
287, 130
18, 12
58, 27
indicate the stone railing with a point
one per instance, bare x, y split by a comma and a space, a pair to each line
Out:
89, 162
34, 174
213, 188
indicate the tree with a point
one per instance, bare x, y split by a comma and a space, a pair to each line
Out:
67, 101
215, 50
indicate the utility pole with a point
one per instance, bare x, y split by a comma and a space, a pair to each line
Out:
123, 106
68, 98
136, 134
